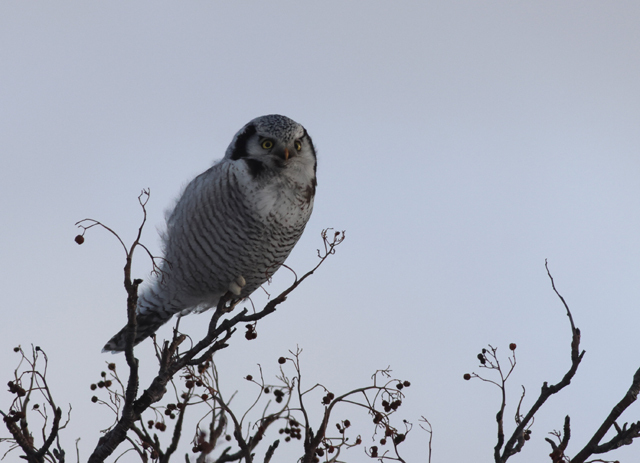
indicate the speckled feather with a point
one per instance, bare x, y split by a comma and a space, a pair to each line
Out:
240, 218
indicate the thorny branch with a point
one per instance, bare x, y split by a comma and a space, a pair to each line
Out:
379, 400
26, 383
171, 359
503, 451
624, 436
518, 438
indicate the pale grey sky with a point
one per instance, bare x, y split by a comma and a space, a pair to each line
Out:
460, 143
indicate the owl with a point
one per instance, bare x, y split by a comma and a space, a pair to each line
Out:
233, 226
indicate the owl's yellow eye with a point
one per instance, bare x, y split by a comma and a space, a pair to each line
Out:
298, 145
267, 144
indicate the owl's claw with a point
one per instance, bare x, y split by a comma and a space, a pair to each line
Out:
235, 287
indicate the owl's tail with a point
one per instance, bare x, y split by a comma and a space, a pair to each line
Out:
152, 313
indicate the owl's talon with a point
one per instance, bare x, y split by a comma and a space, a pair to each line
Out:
235, 287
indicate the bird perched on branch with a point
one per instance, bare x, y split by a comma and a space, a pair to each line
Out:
234, 224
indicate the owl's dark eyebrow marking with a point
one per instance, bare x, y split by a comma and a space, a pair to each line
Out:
240, 148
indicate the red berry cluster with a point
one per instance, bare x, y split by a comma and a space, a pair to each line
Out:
251, 332
293, 431
14, 416
159, 425
342, 427
16, 389
326, 400
391, 406
103, 383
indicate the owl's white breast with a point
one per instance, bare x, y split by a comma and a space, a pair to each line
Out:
281, 198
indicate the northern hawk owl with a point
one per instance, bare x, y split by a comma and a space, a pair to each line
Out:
234, 225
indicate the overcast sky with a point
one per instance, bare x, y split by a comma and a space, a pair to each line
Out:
460, 144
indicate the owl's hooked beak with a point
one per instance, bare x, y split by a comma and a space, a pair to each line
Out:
283, 154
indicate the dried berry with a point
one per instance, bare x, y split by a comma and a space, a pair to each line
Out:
467, 376
282, 360
79, 239
249, 378
512, 346
94, 399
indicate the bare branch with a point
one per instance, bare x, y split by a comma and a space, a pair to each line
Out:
625, 435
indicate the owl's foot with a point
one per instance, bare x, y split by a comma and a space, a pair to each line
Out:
235, 287
232, 296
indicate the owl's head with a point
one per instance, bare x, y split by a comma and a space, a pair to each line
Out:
274, 143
